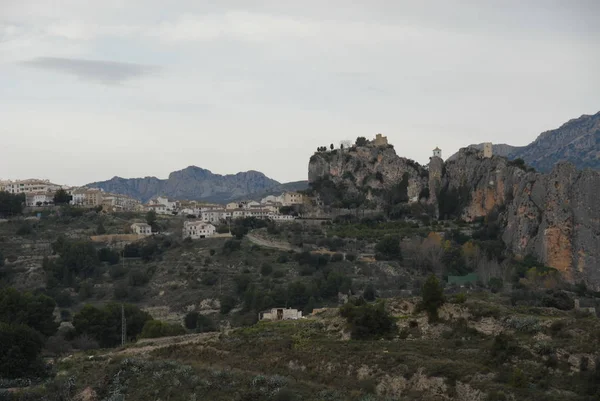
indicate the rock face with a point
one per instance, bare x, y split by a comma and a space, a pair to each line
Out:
554, 216
368, 169
192, 183
577, 141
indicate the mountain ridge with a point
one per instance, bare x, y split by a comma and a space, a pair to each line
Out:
192, 183
576, 141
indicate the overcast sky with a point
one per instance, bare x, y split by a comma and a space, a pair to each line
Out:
94, 89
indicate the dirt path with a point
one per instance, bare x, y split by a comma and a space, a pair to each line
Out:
146, 346
282, 246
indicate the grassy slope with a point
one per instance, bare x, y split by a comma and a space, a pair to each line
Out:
311, 359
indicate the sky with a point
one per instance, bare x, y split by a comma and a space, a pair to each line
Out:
95, 89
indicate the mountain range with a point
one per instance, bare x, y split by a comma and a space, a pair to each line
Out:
195, 183
577, 141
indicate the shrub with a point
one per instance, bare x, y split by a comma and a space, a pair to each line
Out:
156, 328
337, 257
504, 347
559, 300
24, 229
389, 248
20, 348
433, 297
108, 255
227, 304
138, 278
350, 257
117, 271
496, 284
369, 293
266, 269
367, 320
231, 246
210, 279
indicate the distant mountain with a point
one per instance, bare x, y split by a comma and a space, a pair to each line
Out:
577, 141
193, 183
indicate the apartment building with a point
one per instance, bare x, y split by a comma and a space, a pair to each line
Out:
198, 229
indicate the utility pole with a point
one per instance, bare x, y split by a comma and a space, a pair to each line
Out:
123, 326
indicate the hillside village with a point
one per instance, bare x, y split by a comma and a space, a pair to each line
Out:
384, 280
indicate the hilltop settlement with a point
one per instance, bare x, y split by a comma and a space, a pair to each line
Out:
473, 278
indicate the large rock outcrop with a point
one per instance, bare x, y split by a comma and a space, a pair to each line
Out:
554, 216
368, 169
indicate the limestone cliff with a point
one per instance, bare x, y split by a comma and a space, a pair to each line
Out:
367, 169
554, 216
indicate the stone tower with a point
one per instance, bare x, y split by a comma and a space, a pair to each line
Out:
380, 140
487, 150
437, 152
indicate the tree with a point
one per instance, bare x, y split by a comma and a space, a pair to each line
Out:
61, 197
369, 293
35, 311
11, 204
433, 297
367, 320
20, 348
100, 230
227, 304
156, 329
151, 219
1, 259
331, 146
190, 320
361, 141
104, 324
388, 248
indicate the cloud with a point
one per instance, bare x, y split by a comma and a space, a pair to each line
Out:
106, 72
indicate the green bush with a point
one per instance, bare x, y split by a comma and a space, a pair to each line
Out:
117, 271
104, 324
35, 311
433, 297
108, 255
389, 248
20, 348
156, 329
138, 278
266, 269
231, 246
368, 320
227, 304
24, 229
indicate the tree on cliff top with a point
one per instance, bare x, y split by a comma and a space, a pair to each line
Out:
361, 141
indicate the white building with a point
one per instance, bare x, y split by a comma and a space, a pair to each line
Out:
197, 229
168, 206
437, 152
28, 186
280, 314
39, 198
141, 229
233, 205
216, 215
281, 217
272, 199
118, 202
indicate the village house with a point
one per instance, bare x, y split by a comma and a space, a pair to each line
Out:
280, 314
28, 186
118, 202
272, 199
168, 206
141, 229
197, 229
292, 198
233, 205
39, 198
87, 197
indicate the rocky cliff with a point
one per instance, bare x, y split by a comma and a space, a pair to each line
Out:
368, 170
193, 183
554, 216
